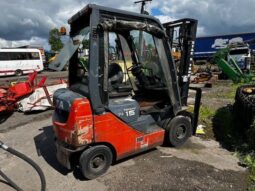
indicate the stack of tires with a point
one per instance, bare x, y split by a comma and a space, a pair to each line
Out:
244, 112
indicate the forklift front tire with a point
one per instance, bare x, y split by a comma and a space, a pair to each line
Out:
179, 130
95, 161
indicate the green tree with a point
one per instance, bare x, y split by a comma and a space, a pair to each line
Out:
54, 40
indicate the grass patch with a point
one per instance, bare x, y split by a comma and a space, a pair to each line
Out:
232, 92
206, 112
226, 91
205, 118
220, 125
226, 127
247, 155
248, 160
233, 139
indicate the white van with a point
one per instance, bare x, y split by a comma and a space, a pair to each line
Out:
20, 61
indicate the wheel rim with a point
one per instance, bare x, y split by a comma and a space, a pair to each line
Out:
98, 162
181, 132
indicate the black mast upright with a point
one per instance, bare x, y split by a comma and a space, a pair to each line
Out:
140, 50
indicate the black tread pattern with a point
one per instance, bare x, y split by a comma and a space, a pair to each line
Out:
244, 108
88, 154
170, 128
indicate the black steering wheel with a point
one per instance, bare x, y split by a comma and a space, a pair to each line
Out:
115, 74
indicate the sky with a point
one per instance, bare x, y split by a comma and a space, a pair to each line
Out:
29, 21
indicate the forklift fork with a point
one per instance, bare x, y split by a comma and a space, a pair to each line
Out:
196, 107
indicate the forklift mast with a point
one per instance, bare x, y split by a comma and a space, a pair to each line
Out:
182, 35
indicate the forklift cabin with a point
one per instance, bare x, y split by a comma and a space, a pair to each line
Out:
110, 112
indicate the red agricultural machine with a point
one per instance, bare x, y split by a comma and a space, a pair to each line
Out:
9, 96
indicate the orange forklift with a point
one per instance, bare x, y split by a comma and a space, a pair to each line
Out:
109, 111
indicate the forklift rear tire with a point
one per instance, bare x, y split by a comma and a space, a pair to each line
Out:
95, 161
179, 130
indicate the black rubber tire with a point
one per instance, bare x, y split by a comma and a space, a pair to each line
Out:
88, 159
18, 73
244, 108
173, 135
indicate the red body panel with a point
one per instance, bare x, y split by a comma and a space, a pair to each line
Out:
125, 139
78, 130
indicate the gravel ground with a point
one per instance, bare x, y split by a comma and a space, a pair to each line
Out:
153, 172
198, 165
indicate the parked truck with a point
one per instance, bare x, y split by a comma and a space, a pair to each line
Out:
207, 46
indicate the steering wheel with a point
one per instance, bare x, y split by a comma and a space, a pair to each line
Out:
129, 69
115, 74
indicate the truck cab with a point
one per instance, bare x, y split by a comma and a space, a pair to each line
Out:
241, 53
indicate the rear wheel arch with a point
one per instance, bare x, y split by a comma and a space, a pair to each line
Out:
189, 115
172, 127
74, 156
111, 147
95, 161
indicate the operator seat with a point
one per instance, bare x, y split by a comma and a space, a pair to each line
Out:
81, 84
80, 88
116, 86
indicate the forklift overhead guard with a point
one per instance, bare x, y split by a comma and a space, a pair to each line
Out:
115, 25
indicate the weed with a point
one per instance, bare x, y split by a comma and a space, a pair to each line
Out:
206, 114
233, 139
247, 159
231, 93
223, 126
205, 118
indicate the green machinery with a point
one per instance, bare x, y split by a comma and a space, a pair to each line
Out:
229, 66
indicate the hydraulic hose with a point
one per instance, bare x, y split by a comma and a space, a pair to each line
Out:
29, 161
10, 182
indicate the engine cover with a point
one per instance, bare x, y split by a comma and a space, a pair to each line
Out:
63, 99
126, 109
